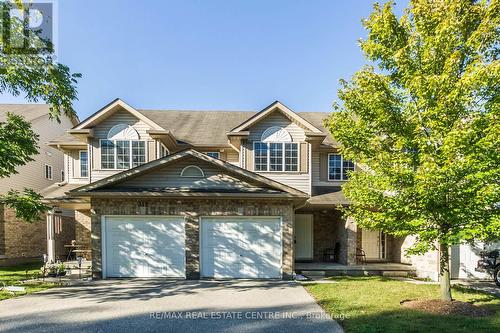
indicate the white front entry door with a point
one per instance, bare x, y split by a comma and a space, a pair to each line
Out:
143, 246
303, 236
372, 244
241, 247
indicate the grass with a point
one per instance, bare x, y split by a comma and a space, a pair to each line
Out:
371, 304
14, 275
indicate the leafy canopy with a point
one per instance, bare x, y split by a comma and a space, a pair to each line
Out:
39, 78
422, 122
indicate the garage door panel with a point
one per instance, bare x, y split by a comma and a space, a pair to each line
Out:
241, 248
145, 247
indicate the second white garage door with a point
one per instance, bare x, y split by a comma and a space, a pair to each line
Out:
241, 247
144, 246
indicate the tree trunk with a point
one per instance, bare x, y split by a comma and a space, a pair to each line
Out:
444, 272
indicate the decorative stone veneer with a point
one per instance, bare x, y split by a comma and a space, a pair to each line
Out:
22, 241
427, 264
192, 210
82, 229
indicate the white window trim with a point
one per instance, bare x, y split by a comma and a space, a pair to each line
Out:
158, 149
283, 157
51, 172
80, 160
213, 152
115, 154
192, 166
341, 169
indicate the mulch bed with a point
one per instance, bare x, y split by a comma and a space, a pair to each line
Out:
437, 306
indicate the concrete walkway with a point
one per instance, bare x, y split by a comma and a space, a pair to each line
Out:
163, 306
485, 286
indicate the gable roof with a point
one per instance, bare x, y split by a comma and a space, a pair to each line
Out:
30, 112
109, 109
102, 187
200, 128
275, 106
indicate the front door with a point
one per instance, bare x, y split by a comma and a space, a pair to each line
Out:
303, 237
373, 242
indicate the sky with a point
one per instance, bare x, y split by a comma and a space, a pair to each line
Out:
211, 54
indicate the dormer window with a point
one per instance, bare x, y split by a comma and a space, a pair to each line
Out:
192, 171
122, 149
276, 152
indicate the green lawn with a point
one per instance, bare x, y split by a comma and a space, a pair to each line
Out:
15, 274
371, 304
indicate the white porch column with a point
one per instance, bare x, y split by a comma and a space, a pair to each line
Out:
51, 241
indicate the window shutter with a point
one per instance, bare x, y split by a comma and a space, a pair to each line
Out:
96, 155
151, 145
323, 167
304, 156
249, 156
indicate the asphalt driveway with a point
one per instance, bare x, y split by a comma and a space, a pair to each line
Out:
168, 306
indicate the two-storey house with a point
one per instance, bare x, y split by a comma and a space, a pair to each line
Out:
209, 193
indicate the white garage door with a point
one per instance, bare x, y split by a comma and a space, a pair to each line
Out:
144, 246
241, 247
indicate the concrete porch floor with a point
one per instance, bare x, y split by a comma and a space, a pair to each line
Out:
333, 269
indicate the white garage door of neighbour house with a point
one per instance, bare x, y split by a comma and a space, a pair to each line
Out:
241, 247
143, 246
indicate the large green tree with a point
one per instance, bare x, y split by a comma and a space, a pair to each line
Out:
38, 77
422, 122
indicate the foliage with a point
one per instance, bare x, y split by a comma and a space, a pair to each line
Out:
37, 75
39, 78
424, 127
423, 124
28, 204
18, 143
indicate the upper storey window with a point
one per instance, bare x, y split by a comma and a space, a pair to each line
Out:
276, 151
122, 149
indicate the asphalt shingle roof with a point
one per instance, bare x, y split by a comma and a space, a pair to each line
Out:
208, 127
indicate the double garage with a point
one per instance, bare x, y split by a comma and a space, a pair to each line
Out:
155, 246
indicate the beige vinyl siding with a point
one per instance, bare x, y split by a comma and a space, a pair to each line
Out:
276, 119
151, 151
73, 173
170, 177
32, 175
232, 157
101, 132
319, 161
299, 180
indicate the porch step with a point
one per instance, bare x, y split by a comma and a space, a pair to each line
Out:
397, 273
313, 273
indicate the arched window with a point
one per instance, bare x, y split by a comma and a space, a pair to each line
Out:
122, 149
276, 134
192, 171
275, 151
123, 132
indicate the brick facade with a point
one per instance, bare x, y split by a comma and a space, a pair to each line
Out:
192, 210
82, 229
21, 241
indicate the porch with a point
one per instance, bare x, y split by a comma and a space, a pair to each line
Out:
326, 241
326, 269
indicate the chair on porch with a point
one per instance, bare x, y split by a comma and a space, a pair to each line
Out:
360, 255
328, 255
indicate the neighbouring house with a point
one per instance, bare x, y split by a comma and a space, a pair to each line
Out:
21, 241
222, 194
